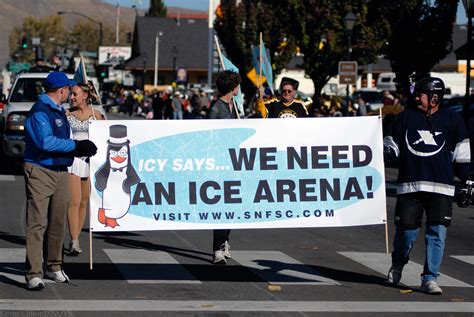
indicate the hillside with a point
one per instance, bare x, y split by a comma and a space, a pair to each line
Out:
13, 11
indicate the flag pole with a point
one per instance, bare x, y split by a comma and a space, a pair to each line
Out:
223, 67
260, 58
386, 215
90, 247
117, 24
219, 51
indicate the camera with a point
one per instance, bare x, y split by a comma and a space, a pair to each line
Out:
464, 196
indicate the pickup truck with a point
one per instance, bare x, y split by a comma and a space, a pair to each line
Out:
23, 95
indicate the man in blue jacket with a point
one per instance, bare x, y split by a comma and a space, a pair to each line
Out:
49, 150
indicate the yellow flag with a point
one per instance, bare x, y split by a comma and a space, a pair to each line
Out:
255, 78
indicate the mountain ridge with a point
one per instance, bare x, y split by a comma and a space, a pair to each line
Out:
14, 11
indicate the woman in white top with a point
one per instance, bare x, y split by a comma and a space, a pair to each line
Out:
80, 115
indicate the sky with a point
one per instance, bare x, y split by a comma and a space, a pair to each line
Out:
203, 5
144, 4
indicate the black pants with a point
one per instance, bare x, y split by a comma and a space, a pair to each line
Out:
410, 208
220, 236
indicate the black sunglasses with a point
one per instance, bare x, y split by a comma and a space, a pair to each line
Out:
288, 91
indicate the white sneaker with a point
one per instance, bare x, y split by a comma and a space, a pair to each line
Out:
74, 247
36, 283
58, 276
219, 257
394, 275
431, 287
225, 248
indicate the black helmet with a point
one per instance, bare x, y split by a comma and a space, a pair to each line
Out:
432, 86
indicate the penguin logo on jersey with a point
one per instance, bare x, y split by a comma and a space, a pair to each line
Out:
426, 144
115, 178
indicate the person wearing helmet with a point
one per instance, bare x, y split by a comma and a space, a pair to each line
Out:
427, 142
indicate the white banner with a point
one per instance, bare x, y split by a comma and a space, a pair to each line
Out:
210, 174
114, 55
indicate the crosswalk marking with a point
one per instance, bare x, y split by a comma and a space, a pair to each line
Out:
274, 267
465, 258
7, 178
13, 265
278, 268
143, 266
277, 306
381, 262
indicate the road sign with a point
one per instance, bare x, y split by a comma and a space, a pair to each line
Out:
347, 73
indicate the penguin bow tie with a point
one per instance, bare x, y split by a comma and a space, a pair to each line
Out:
120, 169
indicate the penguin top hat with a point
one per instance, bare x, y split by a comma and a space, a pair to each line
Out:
289, 81
118, 135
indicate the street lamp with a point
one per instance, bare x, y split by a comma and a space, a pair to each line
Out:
136, 10
349, 21
468, 6
88, 18
157, 54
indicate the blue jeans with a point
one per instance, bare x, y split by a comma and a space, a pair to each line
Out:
435, 237
177, 115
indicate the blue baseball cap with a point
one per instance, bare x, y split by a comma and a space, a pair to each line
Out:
58, 80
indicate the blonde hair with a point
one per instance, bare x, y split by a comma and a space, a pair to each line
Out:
89, 89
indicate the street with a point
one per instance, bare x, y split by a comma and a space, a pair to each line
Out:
284, 272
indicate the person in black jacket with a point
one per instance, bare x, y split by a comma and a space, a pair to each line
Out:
227, 83
427, 141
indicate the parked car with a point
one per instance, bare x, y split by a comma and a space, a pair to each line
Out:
23, 95
373, 97
456, 103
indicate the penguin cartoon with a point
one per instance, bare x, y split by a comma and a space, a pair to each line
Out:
115, 177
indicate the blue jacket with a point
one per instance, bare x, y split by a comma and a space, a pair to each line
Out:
48, 139
428, 149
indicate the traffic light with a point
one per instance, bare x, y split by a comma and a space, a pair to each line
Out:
129, 37
24, 42
102, 71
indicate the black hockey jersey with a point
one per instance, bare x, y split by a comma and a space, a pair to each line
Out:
428, 147
277, 109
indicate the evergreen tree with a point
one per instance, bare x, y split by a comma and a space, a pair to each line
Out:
157, 9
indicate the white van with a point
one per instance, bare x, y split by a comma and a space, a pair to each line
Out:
455, 83
386, 81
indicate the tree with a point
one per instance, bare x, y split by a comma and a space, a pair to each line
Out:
421, 35
83, 36
157, 9
314, 27
324, 41
50, 30
238, 27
